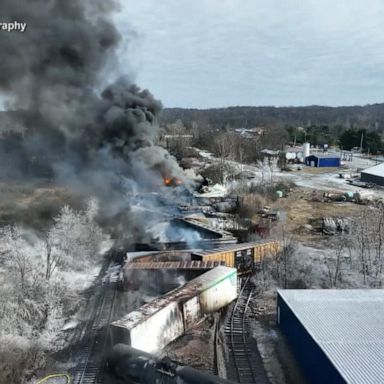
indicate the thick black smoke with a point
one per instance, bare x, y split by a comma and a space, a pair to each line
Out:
62, 126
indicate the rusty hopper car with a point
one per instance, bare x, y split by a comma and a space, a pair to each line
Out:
245, 257
161, 321
161, 277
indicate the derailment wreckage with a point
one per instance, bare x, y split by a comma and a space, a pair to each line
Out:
131, 364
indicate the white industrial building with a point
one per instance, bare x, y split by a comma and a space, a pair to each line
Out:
337, 336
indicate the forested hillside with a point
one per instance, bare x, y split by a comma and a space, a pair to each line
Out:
369, 116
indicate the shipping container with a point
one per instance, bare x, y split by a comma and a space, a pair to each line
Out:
156, 324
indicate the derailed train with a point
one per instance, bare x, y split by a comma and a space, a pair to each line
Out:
245, 257
155, 324
134, 366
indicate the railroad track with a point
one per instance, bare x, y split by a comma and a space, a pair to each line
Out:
215, 365
93, 337
237, 333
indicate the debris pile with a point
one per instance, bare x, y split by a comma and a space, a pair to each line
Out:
332, 226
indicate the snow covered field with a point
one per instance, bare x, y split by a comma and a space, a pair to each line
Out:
265, 172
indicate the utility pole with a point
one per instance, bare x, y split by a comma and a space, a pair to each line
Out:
361, 142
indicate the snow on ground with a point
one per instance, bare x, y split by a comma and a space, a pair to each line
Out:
327, 182
359, 162
112, 274
324, 181
331, 182
71, 324
217, 190
205, 154
82, 280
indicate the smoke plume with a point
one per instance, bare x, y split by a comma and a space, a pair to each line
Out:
62, 125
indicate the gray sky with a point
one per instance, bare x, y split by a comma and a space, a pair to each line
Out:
214, 53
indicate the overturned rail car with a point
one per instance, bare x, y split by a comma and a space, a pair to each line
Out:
161, 277
245, 257
161, 321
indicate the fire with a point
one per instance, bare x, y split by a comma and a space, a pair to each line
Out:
172, 181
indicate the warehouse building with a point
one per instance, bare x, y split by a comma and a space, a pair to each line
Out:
374, 175
323, 160
337, 336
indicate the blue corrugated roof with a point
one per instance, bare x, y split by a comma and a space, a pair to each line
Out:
348, 326
325, 156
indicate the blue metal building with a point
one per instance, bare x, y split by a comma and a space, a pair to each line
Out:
323, 161
337, 336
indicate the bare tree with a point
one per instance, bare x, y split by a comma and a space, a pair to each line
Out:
283, 261
223, 150
15, 254
334, 263
378, 238
32, 292
368, 239
178, 139
74, 239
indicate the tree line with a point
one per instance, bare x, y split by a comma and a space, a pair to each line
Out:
40, 277
362, 128
367, 141
370, 117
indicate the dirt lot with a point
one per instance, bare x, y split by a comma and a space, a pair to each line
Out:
34, 203
195, 348
299, 209
318, 171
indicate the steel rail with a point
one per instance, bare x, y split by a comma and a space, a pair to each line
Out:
95, 336
240, 348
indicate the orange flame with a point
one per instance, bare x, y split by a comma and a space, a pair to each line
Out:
167, 181
172, 182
